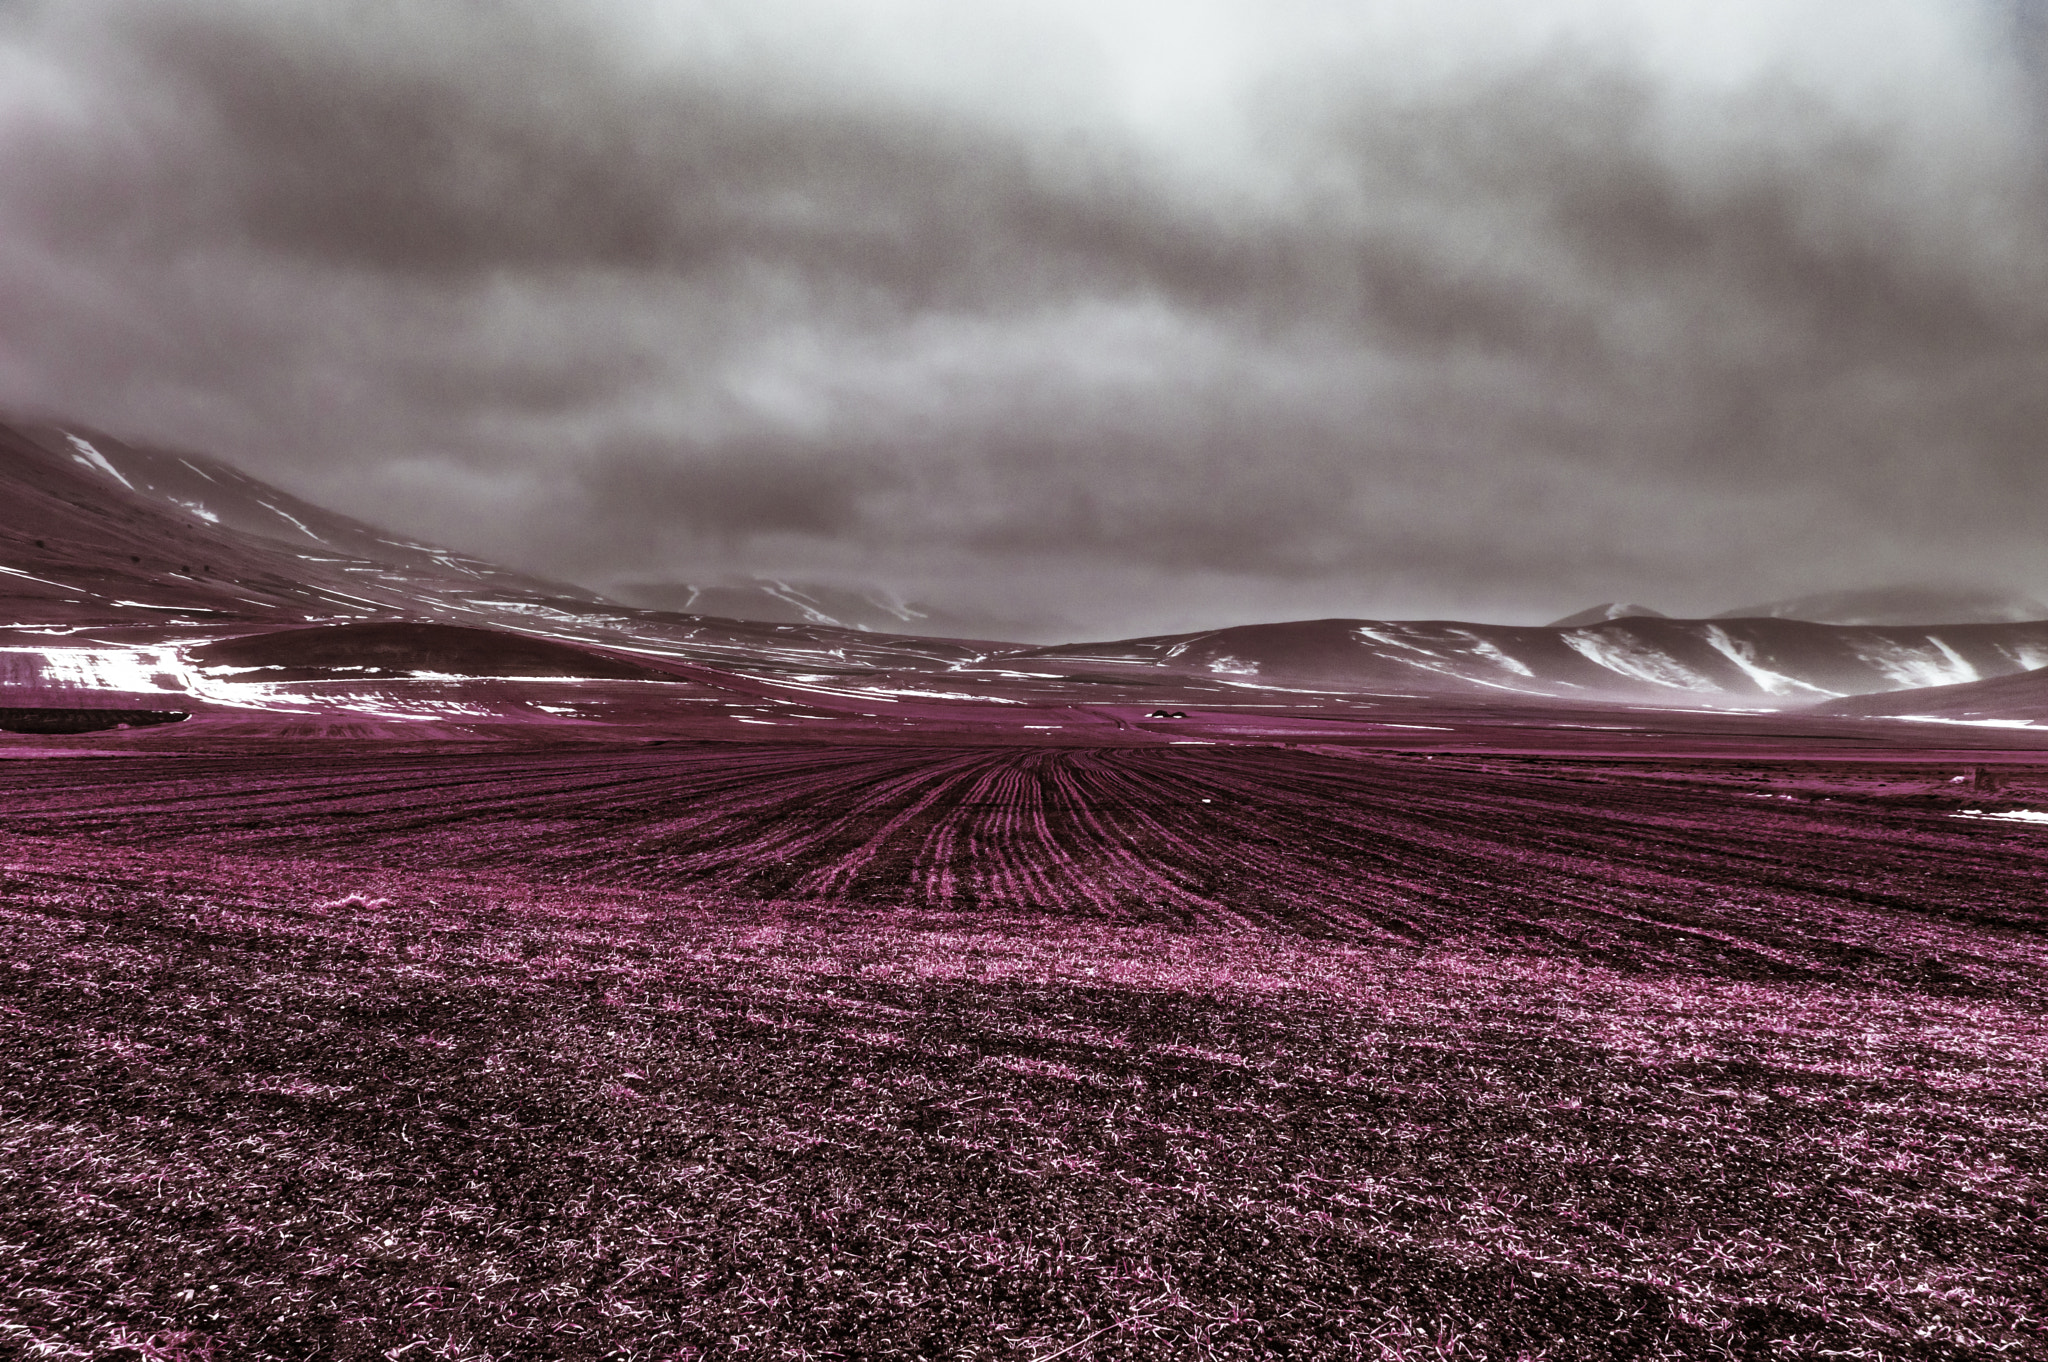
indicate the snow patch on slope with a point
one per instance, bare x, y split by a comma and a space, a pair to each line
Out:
92, 458
1743, 655
1493, 653
118, 669
294, 520
2026, 656
1973, 723
27, 577
1625, 658
1912, 668
1423, 657
1387, 637
162, 669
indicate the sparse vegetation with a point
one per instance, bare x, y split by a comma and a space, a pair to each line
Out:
1010, 1054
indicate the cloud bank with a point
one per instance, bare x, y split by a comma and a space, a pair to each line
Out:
1135, 315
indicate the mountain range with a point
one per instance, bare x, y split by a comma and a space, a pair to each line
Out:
146, 580
773, 600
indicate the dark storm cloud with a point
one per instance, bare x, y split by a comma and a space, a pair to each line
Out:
1575, 156
517, 139
655, 492
1553, 324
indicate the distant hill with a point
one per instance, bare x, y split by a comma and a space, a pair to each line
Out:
96, 531
2022, 698
1611, 610
1900, 605
123, 566
771, 600
777, 602
1636, 659
402, 648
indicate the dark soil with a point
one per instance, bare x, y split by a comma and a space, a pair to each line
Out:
731, 1052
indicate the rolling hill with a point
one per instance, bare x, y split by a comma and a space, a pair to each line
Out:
1635, 659
2020, 699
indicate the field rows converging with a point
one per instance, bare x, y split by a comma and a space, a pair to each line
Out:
1604, 864
283, 1106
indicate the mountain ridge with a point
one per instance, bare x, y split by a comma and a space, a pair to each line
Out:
123, 566
1901, 605
1637, 658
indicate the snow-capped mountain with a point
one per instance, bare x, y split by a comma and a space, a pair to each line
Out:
770, 600
1608, 610
95, 531
1746, 662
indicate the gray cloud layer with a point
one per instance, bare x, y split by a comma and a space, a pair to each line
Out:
1489, 333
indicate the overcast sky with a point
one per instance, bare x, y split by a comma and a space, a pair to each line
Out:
1135, 314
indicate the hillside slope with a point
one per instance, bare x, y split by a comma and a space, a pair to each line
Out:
2022, 698
1636, 659
95, 531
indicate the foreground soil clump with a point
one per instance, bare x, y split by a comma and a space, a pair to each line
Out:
285, 1102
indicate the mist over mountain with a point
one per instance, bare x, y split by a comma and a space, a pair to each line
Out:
867, 608
1901, 605
1610, 610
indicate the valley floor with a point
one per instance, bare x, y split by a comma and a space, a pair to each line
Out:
722, 1050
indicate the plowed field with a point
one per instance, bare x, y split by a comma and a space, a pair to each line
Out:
727, 1050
